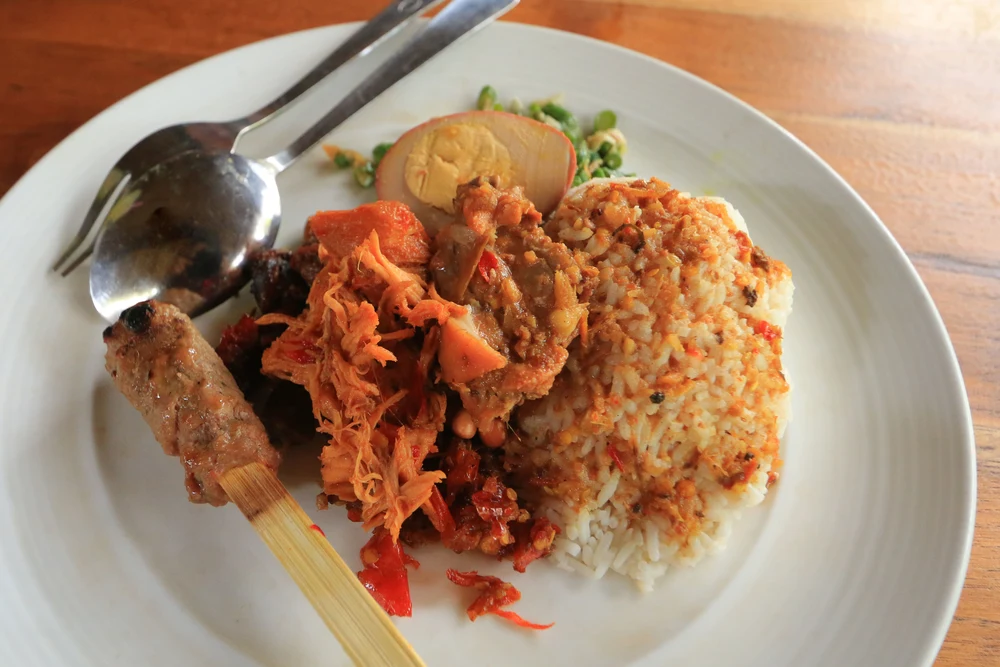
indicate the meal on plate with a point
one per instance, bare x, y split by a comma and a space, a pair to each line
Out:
516, 351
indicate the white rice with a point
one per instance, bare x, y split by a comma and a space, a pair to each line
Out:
677, 322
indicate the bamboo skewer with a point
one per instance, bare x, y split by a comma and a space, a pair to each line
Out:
359, 623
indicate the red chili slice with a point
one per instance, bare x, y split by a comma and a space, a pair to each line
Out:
617, 458
465, 471
514, 617
494, 506
384, 573
440, 516
768, 331
487, 261
301, 355
533, 543
494, 594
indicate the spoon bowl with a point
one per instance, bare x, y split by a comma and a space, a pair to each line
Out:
182, 232
168, 142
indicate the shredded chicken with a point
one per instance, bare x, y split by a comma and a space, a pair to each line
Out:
343, 351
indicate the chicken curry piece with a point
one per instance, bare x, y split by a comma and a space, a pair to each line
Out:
520, 290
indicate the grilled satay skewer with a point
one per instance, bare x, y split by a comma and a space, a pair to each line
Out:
169, 372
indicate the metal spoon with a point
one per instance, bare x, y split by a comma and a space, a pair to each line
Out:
176, 139
182, 232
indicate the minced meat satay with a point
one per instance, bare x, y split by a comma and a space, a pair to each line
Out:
173, 377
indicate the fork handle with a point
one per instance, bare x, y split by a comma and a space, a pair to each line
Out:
455, 21
366, 38
109, 187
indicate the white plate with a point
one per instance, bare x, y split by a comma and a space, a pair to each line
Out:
855, 558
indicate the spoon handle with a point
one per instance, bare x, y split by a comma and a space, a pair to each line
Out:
366, 38
458, 19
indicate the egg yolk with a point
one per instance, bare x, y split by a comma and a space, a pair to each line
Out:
451, 155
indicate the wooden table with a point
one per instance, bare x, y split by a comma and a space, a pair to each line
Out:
902, 97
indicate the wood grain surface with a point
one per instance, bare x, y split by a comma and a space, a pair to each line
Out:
902, 97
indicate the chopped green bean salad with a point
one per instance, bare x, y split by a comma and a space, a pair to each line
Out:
599, 152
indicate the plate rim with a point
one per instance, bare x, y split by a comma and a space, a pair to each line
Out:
966, 426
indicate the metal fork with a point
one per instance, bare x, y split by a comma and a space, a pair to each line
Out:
176, 139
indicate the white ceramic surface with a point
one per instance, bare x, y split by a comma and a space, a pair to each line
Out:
855, 558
